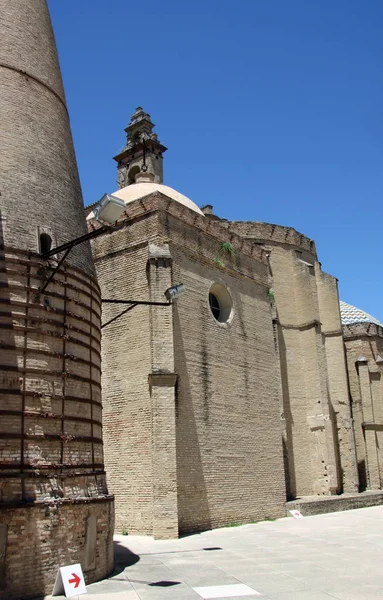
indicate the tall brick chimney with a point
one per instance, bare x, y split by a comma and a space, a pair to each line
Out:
54, 504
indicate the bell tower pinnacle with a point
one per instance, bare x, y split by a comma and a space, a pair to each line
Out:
143, 150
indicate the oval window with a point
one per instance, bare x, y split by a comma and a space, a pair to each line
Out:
220, 302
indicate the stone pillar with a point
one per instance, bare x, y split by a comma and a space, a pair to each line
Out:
339, 397
373, 478
310, 455
319, 418
162, 381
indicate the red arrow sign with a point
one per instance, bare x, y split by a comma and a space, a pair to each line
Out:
76, 580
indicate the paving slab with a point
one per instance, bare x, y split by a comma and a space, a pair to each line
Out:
330, 556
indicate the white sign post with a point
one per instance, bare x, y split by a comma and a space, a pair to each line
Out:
296, 514
70, 581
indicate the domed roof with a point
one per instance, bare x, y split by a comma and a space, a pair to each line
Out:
350, 314
139, 190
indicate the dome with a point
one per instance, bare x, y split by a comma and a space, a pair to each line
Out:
139, 190
350, 314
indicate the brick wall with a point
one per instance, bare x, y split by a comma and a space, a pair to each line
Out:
51, 451
42, 538
40, 184
121, 261
229, 454
51, 381
317, 427
364, 346
311, 459
227, 432
339, 396
270, 234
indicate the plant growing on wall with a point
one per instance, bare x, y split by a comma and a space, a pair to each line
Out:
225, 249
271, 297
218, 262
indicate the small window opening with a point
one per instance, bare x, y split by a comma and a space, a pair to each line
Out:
132, 174
45, 243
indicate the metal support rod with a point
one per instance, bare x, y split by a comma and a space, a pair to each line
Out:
118, 316
55, 270
144, 302
144, 167
80, 240
67, 247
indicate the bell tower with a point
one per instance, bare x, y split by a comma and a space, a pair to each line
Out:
143, 150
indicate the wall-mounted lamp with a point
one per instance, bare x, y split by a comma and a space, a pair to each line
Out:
109, 209
171, 294
174, 291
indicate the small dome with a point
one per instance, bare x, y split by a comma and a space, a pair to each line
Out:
133, 192
350, 314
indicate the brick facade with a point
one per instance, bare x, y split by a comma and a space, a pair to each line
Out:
364, 353
190, 405
317, 431
54, 534
278, 366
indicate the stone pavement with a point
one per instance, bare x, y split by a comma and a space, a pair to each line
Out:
338, 555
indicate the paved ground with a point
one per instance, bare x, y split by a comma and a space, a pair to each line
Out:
338, 555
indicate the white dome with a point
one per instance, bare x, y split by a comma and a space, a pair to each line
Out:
349, 314
133, 192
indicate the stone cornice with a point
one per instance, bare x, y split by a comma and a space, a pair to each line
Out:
268, 233
158, 202
360, 330
162, 379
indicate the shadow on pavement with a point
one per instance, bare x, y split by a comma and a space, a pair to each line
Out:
123, 558
162, 583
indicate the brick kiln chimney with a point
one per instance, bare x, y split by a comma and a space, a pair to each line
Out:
54, 504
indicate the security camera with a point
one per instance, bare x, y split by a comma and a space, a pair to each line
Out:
173, 292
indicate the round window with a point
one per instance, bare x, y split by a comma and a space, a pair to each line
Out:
220, 302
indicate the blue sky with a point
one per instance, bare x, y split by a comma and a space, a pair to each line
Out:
272, 111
